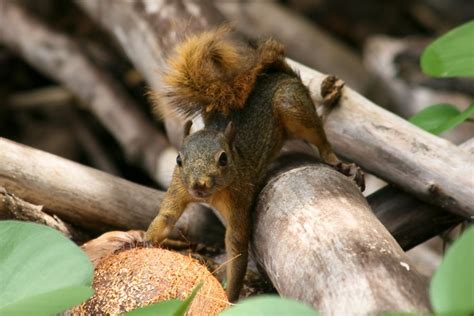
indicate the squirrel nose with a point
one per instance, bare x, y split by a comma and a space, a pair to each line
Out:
201, 188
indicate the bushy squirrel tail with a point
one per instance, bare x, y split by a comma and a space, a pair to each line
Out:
215, 71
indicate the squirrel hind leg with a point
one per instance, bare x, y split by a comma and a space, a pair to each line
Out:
300, 120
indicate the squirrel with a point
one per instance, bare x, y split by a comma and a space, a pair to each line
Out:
251, 101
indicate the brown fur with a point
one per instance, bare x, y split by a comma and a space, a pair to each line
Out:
215, 71
251, 102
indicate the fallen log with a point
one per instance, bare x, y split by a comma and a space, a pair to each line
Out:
319, 242
90, 198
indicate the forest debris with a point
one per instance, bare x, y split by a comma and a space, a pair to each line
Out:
402, 85
46, 96
12, 207
59, 56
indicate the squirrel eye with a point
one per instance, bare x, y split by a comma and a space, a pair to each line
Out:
179, 162
223, 159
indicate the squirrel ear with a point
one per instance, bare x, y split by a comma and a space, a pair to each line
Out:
230, 133
187, 128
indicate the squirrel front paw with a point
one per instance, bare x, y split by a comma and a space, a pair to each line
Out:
354, 172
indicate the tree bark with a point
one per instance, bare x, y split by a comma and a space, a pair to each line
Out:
90, 198
431, 168
409, 220
12, 207
319, 242
59, 57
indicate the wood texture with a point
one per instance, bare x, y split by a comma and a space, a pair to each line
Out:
429, 167
318, 241
12, 207
90, 198
409, 220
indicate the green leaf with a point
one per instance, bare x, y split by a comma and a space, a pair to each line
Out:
451, 55
269, 305
41, 271
440, 117
452, 287
434, 116
166, 308
455, 121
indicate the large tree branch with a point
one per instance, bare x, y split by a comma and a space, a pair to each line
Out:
429, 167
12, 207
319, 242
91, 198
410, 220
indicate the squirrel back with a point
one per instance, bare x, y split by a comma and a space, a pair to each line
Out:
215, 71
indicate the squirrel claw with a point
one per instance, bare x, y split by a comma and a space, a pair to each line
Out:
354, 172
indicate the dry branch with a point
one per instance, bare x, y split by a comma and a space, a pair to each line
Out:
410, 220
319, 242
90, 198
12, 207
59, 57
430, 168
314, 48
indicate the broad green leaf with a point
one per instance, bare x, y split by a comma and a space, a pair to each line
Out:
40, 270
49, 303
166, 308
451, 55
440, 117
434, 116
455, 121
269, 305
452, 287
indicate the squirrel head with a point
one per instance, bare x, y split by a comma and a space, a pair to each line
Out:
206, 161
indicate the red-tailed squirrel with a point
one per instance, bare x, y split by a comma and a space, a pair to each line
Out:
251, 102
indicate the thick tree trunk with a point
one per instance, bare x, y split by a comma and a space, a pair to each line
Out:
319, 242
